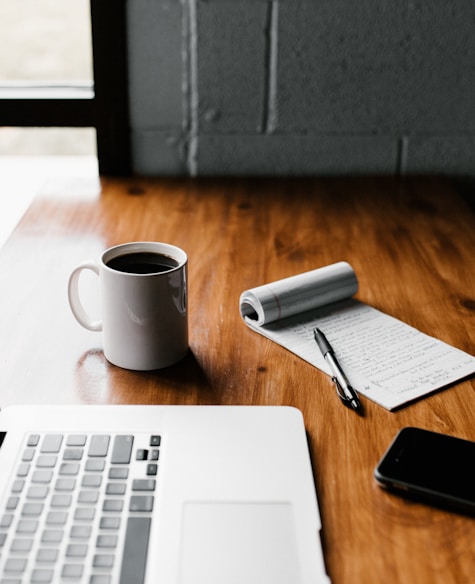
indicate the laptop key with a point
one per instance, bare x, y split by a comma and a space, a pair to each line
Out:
76, 550
141, 504
42, 476
46, 461
135, 550
21, 545
141, 454
47, 555
23, 470
99, 445
73, 454
51, 536
37, 492
100, 579
155, 440
106, 541
6, 520
33, 440
95, 465
61, 500
51, 443
80, 532
12, 503
84, 514
143, 485
73, 571
122, 450
110, 522
17, 486
116, 488
69, 468
40, 576
119, 472
91, 480
32, 509
112, 505
28, 454
76, 440
27, 526
65, 484
56, 518
15, 565
104, 561
89, 497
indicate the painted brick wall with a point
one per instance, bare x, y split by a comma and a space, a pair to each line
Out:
302, 87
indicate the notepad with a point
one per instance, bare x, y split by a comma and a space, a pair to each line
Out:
385, 359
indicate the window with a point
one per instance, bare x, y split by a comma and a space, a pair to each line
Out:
99, 101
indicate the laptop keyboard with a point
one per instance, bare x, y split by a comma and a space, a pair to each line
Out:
79, 509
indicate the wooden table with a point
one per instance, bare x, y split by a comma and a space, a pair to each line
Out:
412, 245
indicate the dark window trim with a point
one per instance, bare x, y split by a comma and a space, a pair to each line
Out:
103, 105
42, 106
109, 46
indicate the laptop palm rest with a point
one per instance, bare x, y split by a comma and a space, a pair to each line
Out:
239, 542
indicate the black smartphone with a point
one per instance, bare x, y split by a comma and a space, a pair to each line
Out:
430, 467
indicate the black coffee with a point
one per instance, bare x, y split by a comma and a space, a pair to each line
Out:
142, 262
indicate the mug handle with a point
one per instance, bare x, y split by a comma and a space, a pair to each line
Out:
75, 302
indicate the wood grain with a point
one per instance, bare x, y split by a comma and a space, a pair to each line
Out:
411, 244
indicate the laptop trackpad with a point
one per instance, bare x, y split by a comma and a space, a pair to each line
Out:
236, 543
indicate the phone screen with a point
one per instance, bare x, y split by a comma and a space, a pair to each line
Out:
433, 466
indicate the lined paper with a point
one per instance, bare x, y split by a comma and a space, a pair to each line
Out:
385, 359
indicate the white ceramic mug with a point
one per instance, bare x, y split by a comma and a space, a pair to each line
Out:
144, 304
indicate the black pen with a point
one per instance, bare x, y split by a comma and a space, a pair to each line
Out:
346, 393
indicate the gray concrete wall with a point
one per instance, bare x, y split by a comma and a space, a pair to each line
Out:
302, 87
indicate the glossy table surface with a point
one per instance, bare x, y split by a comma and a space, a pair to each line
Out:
412, 246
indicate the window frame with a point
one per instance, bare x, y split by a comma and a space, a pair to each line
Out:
102, 105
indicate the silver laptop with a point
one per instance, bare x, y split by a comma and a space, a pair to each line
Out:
157, 494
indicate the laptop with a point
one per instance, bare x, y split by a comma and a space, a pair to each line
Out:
157, 494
